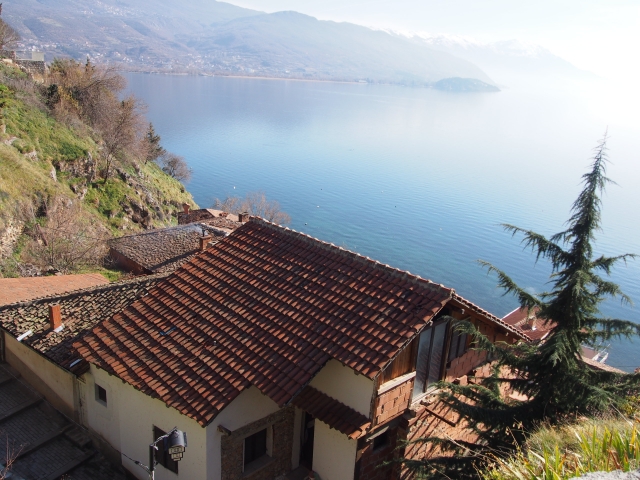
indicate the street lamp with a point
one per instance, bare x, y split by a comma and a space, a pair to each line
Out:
174, 442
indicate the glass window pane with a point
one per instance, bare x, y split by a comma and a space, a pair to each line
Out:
453, 349
422, 362
437, 349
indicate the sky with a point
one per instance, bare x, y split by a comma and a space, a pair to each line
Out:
601, 36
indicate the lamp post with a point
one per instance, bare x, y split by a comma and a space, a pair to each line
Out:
174, 442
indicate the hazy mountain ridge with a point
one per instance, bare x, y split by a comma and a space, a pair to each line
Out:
501, 60
215, 37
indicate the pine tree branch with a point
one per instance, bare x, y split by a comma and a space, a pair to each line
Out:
505, 282
611, 328
540, 245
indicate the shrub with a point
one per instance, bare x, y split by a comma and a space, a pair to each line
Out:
573, 450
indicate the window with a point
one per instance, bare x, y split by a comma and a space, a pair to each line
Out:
458, 345
101, 395
381, 441
429, 365
162, 457
255, 447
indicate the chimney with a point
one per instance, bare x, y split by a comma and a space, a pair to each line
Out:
532, 321
204, 241
186, 207
243, 217
55, 318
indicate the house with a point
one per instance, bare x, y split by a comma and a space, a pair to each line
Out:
210, 216
36, 336
537, 330
273, 350
162, 250
14, 290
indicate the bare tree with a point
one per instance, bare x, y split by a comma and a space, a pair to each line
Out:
90, 92
8, 36
87, 91
67, 240
11, 454
255, 203
122, 131
176, 166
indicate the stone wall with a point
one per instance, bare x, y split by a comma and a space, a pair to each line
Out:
34, 67
233, 447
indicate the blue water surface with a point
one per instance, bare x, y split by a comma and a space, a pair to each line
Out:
415, 178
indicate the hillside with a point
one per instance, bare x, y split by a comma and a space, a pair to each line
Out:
42, 158
215, 37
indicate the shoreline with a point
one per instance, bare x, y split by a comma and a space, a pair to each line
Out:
255, 77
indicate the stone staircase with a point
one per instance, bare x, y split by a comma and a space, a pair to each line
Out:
39, 443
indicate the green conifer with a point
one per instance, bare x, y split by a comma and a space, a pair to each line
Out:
552, 378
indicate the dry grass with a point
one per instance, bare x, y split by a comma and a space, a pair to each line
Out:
559, 453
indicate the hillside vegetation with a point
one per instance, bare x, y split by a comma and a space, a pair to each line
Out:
559, 453
51, 159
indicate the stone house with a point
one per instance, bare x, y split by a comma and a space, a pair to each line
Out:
211, 216
277, 352
163, 250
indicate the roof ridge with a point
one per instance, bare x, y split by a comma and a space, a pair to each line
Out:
491, 316
156, 230
95, 288
404, 274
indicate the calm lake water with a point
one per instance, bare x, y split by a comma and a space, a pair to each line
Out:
415, 178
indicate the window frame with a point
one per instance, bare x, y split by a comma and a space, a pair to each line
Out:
462, 342
268, 450
444, 354
98, 391
162, 457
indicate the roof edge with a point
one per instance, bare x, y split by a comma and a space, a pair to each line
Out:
361, 258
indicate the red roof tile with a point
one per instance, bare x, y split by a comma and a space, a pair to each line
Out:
266, 306
13, 290
332, 412
519, 319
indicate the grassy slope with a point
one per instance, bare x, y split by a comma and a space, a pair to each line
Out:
24, 177
570, 451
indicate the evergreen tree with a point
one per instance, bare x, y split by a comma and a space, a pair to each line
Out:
551, 377
154, 149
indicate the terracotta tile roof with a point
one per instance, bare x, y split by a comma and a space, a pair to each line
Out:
467, 304
519, 319
14, 290
267, 306
164, 249
602, 366
332, 412
81, 311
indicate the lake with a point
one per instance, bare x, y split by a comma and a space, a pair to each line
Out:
416, 178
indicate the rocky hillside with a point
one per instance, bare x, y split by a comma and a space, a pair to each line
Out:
42, 158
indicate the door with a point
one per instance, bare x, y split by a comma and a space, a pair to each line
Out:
306, 445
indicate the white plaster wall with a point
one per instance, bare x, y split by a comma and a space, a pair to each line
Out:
334, 454
248, 407
127, 422
343, 384
52, 381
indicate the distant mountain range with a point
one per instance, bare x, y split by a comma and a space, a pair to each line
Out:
204, 36
502, 60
